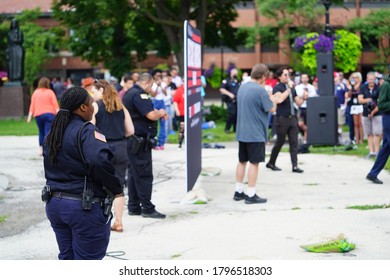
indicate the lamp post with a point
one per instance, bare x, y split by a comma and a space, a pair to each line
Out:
327, 4
221, 48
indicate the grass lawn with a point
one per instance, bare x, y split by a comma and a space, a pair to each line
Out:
18, 127
361, 151
211, 135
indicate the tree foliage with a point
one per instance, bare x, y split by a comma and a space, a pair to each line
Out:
107, 31
213, 18
375, 25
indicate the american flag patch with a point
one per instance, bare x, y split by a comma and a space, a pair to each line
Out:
100, 137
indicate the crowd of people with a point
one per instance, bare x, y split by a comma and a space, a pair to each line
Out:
356, 104
87, 163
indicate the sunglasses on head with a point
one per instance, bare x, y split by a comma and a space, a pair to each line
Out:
97, 82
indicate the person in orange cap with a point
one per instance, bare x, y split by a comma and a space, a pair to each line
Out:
87, 83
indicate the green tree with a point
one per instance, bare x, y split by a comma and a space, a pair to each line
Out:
37, 42
107, 31
4, 28
375, 25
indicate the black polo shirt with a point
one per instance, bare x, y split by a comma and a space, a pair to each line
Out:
283, 109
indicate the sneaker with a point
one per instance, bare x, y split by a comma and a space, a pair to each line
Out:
239, 196
254, 199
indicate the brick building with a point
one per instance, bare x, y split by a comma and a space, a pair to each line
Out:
64, 64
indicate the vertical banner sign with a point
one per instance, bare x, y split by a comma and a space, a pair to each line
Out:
193, 116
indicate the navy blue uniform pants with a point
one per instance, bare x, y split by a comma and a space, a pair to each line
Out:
80, 234
140, 180
384, 152
232, 116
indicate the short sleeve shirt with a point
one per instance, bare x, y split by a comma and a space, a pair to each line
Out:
138, 103
283, 109
253, 104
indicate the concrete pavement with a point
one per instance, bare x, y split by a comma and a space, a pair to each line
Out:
301, 208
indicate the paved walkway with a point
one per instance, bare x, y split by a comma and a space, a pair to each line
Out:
301, 208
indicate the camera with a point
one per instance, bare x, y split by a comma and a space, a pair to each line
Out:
370, 106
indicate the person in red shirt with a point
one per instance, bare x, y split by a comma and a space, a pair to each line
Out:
178, 104
43, 108
270, 80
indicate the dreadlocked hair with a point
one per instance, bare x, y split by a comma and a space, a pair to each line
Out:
110, 96
70, 101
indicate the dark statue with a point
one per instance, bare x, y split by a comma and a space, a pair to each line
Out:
15, 53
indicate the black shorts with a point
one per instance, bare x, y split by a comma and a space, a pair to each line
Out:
254, 152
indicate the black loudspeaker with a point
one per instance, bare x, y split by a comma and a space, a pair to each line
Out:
321, 116
325, 74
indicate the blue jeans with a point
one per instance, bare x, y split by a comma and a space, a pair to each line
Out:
384, 152
349, 121
159, 104
44, 122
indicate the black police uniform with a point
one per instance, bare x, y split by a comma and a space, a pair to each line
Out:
112, 125
80, 234
231, 85
140, 171
286, 123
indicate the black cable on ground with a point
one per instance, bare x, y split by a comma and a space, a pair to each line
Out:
116, 255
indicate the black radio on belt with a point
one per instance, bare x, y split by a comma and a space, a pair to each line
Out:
87, 199
46, 194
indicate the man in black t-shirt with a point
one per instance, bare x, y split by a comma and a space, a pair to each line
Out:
286, 119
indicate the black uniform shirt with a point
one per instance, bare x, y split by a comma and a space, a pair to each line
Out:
69, 172
284, 109
138, 103
231, 86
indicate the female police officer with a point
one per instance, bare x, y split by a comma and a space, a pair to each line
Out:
75, 163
